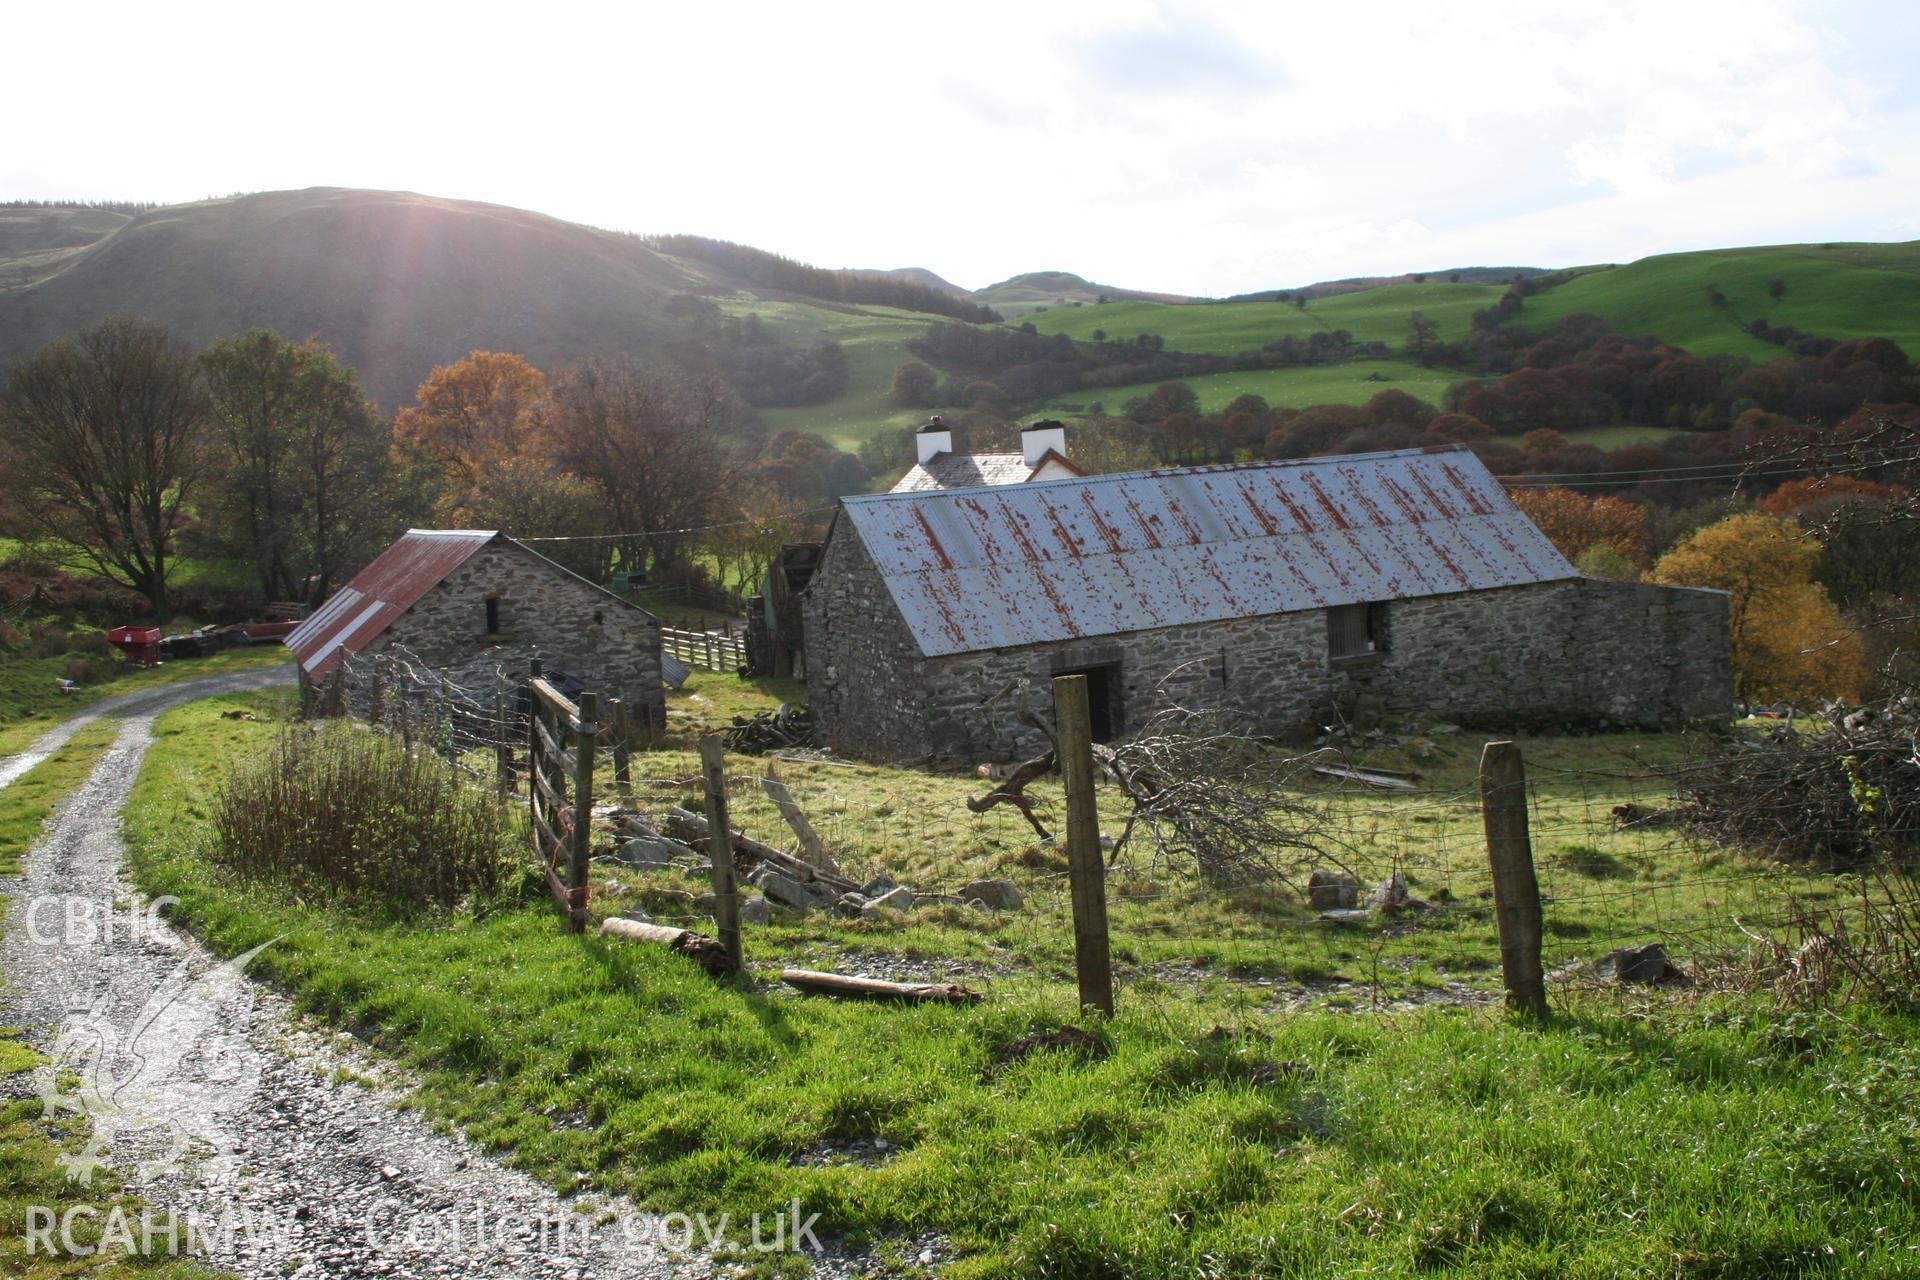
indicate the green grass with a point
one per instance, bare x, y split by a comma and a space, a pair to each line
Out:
31, 1177
31, 701
1618, 437
26, 805
1653, 1136
1846, 291
1344, 383
1228, 328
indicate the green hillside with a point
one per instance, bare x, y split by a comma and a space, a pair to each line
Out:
1839, 291
396, 282
1227, 328
1354, 382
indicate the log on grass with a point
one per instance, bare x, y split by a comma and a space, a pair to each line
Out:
836, 984
707, 952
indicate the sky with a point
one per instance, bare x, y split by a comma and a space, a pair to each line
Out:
1204, 149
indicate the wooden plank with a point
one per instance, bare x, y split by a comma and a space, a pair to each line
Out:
810, 842
1382, 779
579, 848
1092, 961
554, 698
555, 798
726, 895
549, 744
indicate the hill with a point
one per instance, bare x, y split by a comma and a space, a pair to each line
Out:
914, 275
1839, 291
395, 282
1023, 294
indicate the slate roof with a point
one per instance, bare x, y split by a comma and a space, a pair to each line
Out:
1018, 564
964, 471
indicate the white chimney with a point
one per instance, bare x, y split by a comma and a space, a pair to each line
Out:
933, 439
1037, 439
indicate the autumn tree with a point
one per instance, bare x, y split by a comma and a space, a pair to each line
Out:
1576, 523
476, 412
104, 440
1789, 642
530, 498
653, 445
913, 385
300, 481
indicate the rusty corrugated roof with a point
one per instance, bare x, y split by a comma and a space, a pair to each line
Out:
1021, 564
381, 592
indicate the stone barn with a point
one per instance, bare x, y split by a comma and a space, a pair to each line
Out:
1280, 590
465, 601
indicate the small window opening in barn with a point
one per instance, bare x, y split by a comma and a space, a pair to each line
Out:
493, 615
1103, 699
1357, 630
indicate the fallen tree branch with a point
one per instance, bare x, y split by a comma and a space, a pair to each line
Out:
835, 984
706, 952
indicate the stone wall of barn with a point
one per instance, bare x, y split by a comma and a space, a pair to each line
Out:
572, 626
1581, 652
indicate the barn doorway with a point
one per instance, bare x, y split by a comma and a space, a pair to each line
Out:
1103, 699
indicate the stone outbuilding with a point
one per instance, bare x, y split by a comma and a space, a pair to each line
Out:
466, 602
1406, 580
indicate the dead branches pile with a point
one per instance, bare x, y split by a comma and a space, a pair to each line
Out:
1839, 794
790, 726
1206, 794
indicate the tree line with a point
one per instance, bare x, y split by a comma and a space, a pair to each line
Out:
128, 450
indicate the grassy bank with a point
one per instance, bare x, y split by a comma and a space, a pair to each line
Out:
1209, 1134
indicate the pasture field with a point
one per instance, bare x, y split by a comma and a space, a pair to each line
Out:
1228, 328
1348, 382
1278, 1094
1841, 291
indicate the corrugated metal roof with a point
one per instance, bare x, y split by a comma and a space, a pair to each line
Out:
1099, 555
381, 592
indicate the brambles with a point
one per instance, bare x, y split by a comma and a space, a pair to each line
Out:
338, 813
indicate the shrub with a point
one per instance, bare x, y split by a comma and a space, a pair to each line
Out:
46, 640
352, 816
83, 670
89, 644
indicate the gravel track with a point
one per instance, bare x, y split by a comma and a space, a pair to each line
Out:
282, 1144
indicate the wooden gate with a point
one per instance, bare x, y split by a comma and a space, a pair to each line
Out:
561, 738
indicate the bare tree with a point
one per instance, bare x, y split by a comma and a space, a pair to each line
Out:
655, 445
104, 436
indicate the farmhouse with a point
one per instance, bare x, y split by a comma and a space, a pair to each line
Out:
468, 601
1042, 456
1405, 581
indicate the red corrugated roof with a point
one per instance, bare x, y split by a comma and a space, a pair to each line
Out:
381, 592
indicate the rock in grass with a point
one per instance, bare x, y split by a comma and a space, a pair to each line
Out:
1647, 964
782, 888
896, 899
646, 852
997, 895
755, 909
1332, 890
879, 886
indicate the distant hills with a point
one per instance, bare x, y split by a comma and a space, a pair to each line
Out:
398, 283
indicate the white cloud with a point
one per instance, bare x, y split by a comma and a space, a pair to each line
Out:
1205, 148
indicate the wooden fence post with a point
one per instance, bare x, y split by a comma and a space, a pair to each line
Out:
533, 745
580, 836
726, 895
1516, 890
502, 749
1087, 873
622, 753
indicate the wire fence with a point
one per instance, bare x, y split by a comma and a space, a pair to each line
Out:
1400, 914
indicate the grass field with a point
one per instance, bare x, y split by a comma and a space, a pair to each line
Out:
1223, 1128
1351, 382
1228, 328
1846, 291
